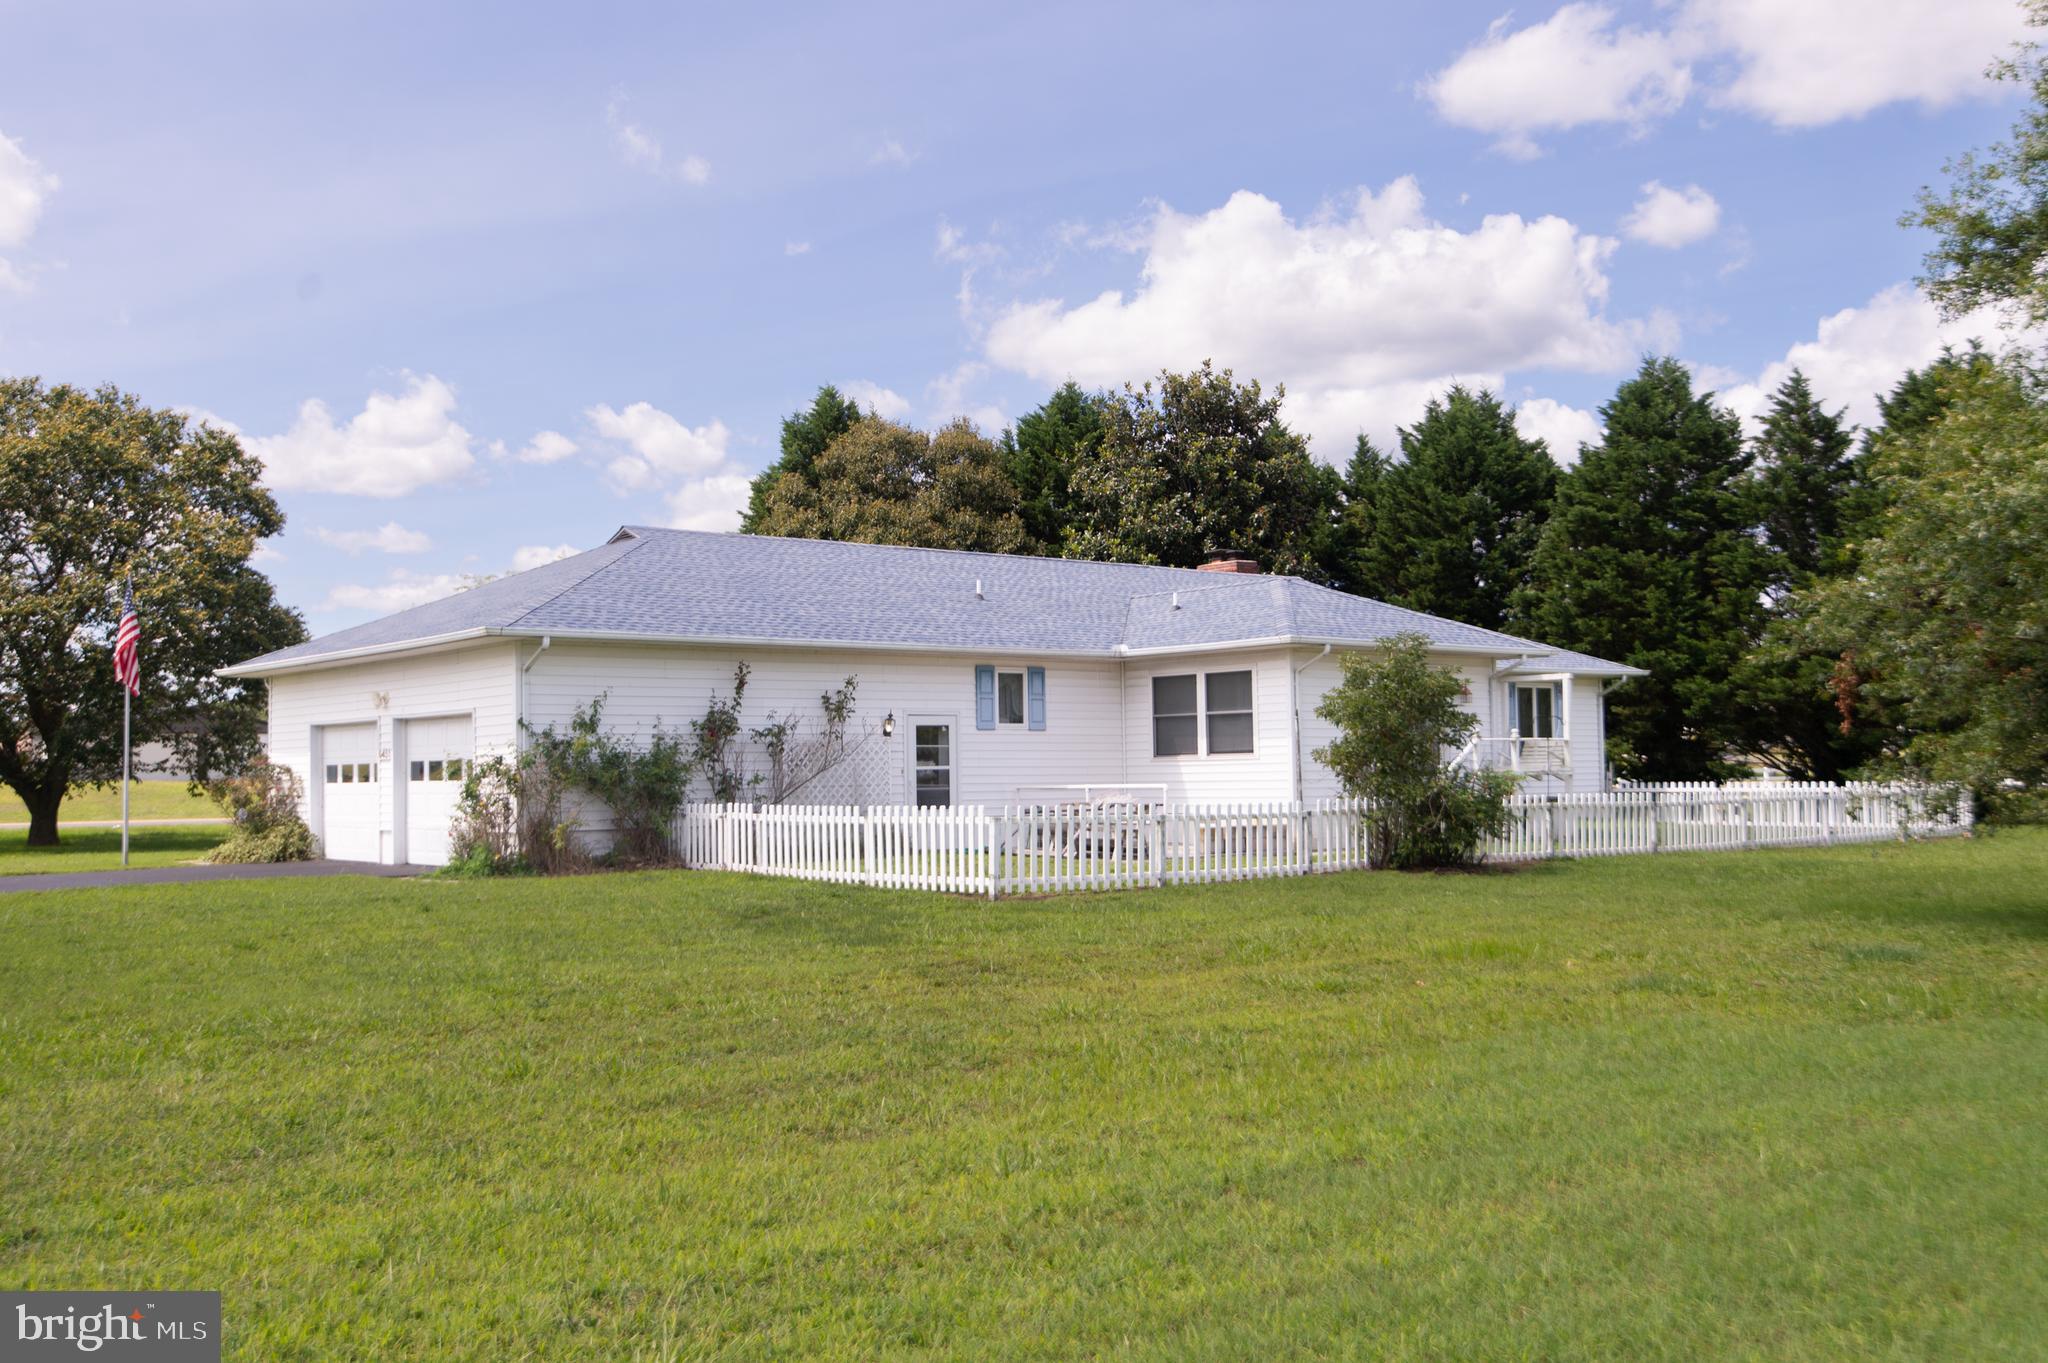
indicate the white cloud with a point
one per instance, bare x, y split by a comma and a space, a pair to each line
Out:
954, 247
540, 555
401, 591
656, 445
885, 403
1362, 315
389, 538
1672, 217
796, 248
1795, 65
1859, 353
1562, 428
713, 503
947, 398
1818, 61
643, 150
396, 445
24, 186
546, 447
891, 153
1572, 69
267, 552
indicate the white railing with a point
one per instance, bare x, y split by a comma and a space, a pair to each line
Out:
1118, 844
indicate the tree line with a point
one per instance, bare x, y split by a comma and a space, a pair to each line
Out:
1675, 543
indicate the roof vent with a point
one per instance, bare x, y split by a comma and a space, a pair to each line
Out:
977, 590
1176, 600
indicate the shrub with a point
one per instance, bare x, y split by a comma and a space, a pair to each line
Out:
1396, 714
642, 787
508, 821
263, 800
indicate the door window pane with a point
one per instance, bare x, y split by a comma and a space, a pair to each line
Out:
333, 774
933, 778
1009, 697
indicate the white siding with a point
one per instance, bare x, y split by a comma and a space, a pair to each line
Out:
1489, 700
1265, 773
478, 681
673, 684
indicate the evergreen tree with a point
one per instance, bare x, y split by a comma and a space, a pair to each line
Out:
1198, 463
1358, 494
805, 436
1805, 471
1040, 454
1648, 558
1456, 521
1806, 480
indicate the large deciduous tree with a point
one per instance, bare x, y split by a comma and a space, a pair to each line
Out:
1195, 463
1455, 522
883, 483
1648, 558
96, 488
1990, 225
1945, 620
805, 436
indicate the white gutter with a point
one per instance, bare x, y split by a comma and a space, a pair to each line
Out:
321, 660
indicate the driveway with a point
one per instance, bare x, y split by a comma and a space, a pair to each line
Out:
184, 875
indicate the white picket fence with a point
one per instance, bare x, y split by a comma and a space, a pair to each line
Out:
1111, 845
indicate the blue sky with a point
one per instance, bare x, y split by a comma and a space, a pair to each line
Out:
549, 270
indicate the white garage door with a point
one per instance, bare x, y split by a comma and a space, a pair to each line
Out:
437, 753
348, 795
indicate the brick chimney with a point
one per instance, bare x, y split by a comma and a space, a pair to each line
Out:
1228, 561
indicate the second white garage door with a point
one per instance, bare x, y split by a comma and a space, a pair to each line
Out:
437, 753
348, 793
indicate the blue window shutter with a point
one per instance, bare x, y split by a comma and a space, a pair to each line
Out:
985, 697
1034, 696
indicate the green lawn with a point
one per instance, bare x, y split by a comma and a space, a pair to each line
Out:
1771, 1105
99, 849
147, 800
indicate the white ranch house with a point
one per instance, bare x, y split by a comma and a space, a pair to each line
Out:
984, 680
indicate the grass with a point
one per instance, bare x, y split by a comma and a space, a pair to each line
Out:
99, 849
146, 800
1773, 1105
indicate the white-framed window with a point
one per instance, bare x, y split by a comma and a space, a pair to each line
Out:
1009, 697
1176, 722
1203, 714
438, 769
349, 773
1227, 702
1535, 711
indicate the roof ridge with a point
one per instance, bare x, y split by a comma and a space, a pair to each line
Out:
925, 549
567, 587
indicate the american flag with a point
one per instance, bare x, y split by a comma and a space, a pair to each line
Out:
127, 639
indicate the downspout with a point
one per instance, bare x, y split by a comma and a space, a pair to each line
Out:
519, 701
1294, 695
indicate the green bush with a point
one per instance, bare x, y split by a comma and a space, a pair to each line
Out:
1396, 714
263, 800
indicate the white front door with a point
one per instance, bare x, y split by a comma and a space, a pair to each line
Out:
934, 761
348, 792
437, 755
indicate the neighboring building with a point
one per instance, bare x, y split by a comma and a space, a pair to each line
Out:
983, 678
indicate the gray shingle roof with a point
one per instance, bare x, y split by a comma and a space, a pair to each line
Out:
652, 583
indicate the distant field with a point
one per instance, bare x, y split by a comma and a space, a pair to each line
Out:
150, 800
1750, 1106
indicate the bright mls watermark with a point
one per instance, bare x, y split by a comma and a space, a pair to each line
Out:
162, 1327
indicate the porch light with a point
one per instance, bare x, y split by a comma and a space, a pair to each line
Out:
889, 725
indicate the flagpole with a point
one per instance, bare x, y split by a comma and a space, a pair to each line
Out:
126, 701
